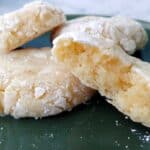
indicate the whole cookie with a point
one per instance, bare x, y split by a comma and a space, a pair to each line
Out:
33, 85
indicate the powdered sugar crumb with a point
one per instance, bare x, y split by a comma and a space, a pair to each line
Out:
133, 130
39, 92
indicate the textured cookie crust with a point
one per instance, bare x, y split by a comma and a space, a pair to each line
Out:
33, 85
126, 32
104, 66
23, 25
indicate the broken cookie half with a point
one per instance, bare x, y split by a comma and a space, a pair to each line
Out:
27, 23
103, 65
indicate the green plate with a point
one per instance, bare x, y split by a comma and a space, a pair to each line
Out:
92, 126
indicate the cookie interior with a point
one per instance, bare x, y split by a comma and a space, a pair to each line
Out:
116, 80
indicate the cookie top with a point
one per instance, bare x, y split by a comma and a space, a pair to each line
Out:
33, 85
126, 32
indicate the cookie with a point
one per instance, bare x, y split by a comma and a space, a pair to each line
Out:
27, 23
33, 85
126, 32
104, 66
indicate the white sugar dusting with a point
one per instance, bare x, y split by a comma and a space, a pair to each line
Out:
51, 135
141, 145
126, 117
34, 146
117, 123
133, 130
126, 146
147, 138
81, 138
143, 138
117, 143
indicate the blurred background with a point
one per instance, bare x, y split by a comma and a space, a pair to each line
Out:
139, 9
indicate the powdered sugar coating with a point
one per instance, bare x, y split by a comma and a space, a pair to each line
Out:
26, 23
101, 64
126, 32
33, 85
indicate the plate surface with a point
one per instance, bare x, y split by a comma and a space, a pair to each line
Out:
92, 126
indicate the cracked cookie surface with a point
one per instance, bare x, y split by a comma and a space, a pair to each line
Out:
126, 32
33, 85
27, 23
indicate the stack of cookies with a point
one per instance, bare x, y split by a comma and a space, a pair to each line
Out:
89, 54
